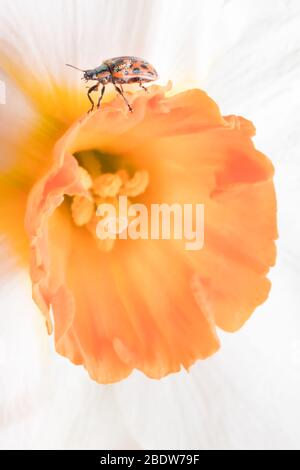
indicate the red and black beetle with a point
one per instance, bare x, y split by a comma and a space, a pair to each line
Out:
118, 71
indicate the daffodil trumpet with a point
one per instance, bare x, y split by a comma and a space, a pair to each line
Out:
144, 303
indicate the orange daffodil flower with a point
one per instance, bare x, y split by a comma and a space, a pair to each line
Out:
139, 304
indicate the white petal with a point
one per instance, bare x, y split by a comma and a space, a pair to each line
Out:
47, 402
181, 40
246, 54
245, 397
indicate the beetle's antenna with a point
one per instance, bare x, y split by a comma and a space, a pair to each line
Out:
73, 67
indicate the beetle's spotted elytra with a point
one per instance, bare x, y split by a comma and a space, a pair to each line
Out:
118, 71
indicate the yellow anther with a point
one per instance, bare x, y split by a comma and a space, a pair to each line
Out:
123, 175
82, 209
85, 178
107, 185
136, 185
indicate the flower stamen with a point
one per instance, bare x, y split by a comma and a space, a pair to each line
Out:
136, 185
105, 188
107, 185
82, 209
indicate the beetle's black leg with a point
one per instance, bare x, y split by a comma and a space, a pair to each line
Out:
123, 96
93, 88
101, 96
144, 88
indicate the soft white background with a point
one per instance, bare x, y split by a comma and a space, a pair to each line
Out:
246, 55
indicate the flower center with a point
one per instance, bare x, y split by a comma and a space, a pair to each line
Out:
105, 179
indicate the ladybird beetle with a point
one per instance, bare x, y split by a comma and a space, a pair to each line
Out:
118, 71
